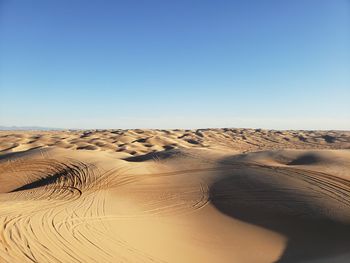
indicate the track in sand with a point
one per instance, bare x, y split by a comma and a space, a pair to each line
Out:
72, 210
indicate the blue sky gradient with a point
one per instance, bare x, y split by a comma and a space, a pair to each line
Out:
175, 64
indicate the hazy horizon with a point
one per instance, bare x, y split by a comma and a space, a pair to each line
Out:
183, 64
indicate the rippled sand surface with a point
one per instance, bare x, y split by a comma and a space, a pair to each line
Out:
210, 195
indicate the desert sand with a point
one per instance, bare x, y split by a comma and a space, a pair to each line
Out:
209, 195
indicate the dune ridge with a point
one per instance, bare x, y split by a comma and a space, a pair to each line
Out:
136, 142
210, 195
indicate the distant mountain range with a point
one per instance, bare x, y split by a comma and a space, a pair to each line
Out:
27, 128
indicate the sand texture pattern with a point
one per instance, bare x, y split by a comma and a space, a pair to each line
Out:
209, 195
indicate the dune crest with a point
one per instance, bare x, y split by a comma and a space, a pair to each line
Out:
211, 195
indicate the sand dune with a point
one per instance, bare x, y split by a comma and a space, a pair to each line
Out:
214, 195
137, 142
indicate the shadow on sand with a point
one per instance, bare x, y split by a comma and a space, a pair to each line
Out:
261, 196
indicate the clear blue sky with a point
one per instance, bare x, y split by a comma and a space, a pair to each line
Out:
175, 64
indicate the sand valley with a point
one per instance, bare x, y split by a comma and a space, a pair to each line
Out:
209, 195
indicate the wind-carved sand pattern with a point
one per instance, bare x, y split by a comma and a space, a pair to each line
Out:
184, 202
64, 204
135, 142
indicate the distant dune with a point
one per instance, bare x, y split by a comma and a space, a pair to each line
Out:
208, 195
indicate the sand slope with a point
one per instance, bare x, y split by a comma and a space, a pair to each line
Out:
136, 142
218, 195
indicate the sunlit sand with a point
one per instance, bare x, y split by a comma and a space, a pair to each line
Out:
211, 195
